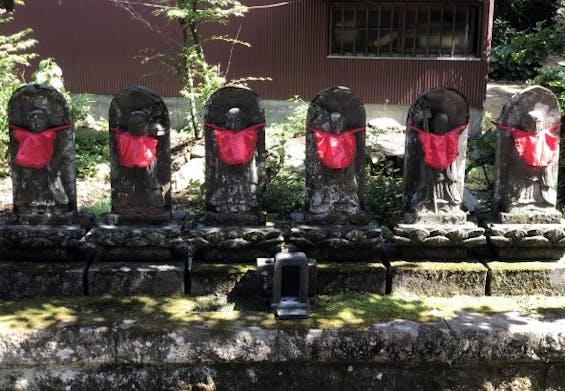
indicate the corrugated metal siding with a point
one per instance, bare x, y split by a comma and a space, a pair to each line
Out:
96, 44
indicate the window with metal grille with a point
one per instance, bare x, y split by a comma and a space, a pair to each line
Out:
380, 29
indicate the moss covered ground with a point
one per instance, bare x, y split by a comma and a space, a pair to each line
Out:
344, 310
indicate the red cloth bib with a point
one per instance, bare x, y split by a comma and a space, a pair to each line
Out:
440, 150
235, 146
336, 151
35, 149
135, 151
535, 149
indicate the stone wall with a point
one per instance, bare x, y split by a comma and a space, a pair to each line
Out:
467, 352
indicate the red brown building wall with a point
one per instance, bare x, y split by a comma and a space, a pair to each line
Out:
98, 44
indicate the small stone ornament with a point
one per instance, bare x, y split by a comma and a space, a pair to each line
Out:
235, 156
434, 225
336, 224
528, 224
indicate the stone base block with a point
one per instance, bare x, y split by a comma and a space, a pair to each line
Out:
222, 279
41, 243
28, 279
527, 278
241, 280
521, 242
360, 277
234, 244
338, 243
136, 279
132, 236
438, 242
439, 278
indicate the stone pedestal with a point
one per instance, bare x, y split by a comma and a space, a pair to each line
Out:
338, 243
521, 242
438, 241
233, 243
138, 260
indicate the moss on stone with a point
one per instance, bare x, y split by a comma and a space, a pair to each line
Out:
350, 267
345, 310
213, 268
525, 266
440, 266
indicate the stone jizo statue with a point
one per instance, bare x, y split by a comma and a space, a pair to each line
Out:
235, 156
434, 164
528, 157
140, 157
335, 154
43, 160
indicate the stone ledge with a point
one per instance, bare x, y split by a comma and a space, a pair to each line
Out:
287, 376
519, 278
438, 278
506, 349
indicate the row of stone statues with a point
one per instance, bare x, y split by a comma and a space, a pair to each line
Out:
43, 164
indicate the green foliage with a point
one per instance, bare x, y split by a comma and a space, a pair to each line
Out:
284, 194
48, 72
200, 79
481, 153
91, 149
295, 124
524, 14
383, 196
554, 79
523, 57
502, 32
285, 190
14, 55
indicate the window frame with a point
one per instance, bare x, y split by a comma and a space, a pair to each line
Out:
405, 7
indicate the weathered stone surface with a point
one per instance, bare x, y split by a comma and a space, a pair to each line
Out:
136, 279
554, 378
166, 236
141, 194
189, 174
233, 243
526, 192
438, 241
196, 345
527, 278
527, 241
57, 346
282, 377
433, 194
44, 195
439, 278
466, 352
235, 280
385, 136
335, 195
363, 277
26, 279
234, 189
40, 237
338, 243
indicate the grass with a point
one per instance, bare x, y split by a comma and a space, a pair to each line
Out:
345, 310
